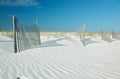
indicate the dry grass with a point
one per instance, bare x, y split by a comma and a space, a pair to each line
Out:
93, 34
7, 33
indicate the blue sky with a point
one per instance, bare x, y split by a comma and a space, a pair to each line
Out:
62, 15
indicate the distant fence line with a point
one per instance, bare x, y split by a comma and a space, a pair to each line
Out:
116, 35
108, 35
26, 37
105, 35
81, 33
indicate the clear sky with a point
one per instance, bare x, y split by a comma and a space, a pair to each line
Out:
62, 15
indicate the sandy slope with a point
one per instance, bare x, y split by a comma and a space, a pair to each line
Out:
6, 45
62, 58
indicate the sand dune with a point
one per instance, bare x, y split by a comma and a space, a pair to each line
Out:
64, 58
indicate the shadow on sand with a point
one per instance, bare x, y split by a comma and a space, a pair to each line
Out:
51, 43
6, 41
89, 41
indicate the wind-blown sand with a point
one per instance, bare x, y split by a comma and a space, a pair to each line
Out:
64, 58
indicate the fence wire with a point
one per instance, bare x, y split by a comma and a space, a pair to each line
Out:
116, 35
81, 33
106, 35
25, 37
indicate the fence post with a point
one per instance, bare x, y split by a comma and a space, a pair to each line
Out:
82, 34
14, 33
38, 31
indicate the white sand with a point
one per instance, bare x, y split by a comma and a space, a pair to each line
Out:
61, 58
6, 45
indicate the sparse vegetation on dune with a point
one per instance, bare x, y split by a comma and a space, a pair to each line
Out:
55, 34
58, 34
7, 33
93, 34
